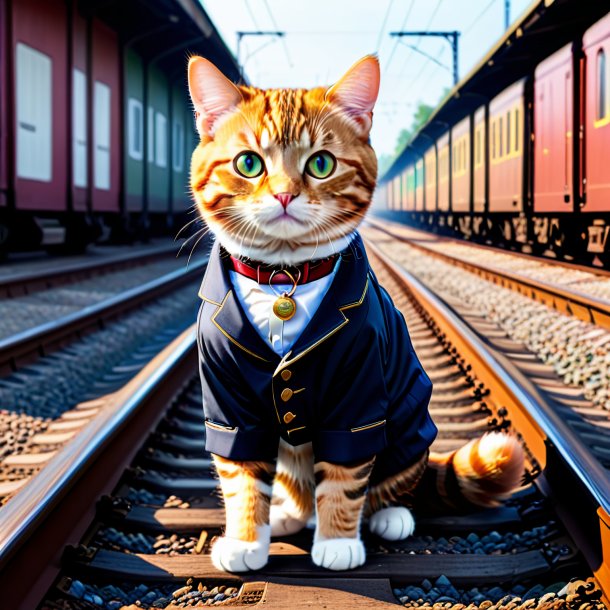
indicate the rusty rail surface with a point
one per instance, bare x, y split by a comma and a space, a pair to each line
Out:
564, 300
60, 510
34, 342
561, 454
17, 284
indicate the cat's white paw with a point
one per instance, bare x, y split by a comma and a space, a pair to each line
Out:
338, 553
282, 524
233, 555
394, 523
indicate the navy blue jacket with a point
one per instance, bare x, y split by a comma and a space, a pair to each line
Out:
351, 384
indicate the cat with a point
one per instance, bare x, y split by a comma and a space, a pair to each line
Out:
314, 400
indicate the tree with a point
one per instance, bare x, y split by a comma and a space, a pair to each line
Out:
421, 115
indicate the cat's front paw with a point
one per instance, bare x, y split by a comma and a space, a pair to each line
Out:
234, 555
282, 524
394, 523
338, 553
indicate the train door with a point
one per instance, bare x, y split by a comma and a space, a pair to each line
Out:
79, 128
33, 107
106, 107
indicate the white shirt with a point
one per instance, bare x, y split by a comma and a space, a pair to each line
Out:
257, 302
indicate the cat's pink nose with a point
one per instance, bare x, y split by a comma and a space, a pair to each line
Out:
284, 198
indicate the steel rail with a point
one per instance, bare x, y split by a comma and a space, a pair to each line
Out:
56, 503
572, 449
20, 283
32, 342
572, 302
553, 433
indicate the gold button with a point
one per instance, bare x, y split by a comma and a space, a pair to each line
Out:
286, 394
286, 374
289, 417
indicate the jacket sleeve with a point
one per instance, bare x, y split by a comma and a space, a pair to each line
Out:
234, 421
384, 398
411, 430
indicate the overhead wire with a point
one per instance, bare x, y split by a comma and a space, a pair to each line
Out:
402, 27
383, 24
258, 28
275, 25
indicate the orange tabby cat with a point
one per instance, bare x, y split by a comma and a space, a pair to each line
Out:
283, 178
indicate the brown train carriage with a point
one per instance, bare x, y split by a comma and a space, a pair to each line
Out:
430, 177
410, 174
479, 169
419, 186
444, 184
460, 166
506, 149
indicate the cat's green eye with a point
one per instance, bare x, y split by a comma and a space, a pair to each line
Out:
248, 164
321, 165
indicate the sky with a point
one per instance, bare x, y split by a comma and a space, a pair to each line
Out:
324, 37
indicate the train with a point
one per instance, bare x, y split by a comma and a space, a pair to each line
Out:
96, 128
517, 154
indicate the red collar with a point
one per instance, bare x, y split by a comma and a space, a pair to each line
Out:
269, 274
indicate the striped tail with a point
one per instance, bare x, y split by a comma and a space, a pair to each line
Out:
480, 474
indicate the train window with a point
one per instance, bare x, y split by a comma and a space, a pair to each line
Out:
135, 129
508, 133
602, 93
79, 128
34, 125
160, 140
501, 136
178, 146
517, 129
101, 136
150, 133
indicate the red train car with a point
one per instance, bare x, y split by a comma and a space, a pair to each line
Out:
40, 72
553, 133
460, 166
72, 113
537, 163
106, 106
596, 47
506, 150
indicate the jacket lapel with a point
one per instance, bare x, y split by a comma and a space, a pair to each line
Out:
229, 316
347, 290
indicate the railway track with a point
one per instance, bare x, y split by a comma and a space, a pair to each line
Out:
582, 292
96, 293
43, 273
148, 538
55, 376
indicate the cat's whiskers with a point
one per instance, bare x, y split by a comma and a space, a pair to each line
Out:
193, 249
190, 222
186, 241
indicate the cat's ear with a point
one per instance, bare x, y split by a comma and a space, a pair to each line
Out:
356, 91
212, 93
